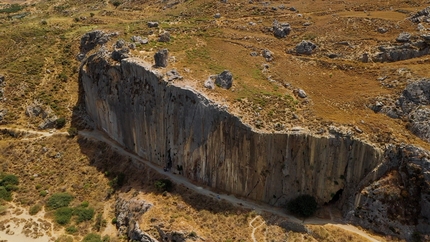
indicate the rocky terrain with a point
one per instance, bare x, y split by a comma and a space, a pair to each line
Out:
261, 100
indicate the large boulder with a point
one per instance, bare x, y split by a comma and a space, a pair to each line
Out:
91, 39
281, 30
224, 80
305, 48
164, 37
161, 58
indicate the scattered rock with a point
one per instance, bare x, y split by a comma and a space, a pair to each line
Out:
152, 24
217, 15
382, 30
119, 44
173, 75
301, 93
2, 78
281, 30
210, 82
224, 80
120, 54
132, 46
254, 53
140, 40
305, 47
403, 37
292, 9
267, 54
164, 37
307, 24
161, 58
420, 27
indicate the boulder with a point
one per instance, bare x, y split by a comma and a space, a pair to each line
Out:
119, 44
152, 24
267, 54
224, 80
301, 93
161, 58
120, 54
164, 37
281, 30
2, 78
140, 40
403, 37
401, 52
217, 15
305, 48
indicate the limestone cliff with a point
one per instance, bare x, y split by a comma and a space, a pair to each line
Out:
184, 131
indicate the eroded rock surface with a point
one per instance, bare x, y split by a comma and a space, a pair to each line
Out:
128, 213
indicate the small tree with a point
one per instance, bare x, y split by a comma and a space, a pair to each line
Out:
163, 185
303, 205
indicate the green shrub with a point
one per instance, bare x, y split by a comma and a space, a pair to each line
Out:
163, 185
92, 238
72, 131
5, 194
43, 193
63, 215
83, 214
71, 230
9, 179
59, 123
85, 204
59, 200
303, 205
114, 220
100, 222
34, 209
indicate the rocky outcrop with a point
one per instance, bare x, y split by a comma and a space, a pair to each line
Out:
127, 214
305, 48
412, 106
397, 203
178, 127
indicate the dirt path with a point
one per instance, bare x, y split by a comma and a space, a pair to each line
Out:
97, 135
254, 228
35, 132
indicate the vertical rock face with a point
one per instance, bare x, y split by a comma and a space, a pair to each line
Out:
181, 129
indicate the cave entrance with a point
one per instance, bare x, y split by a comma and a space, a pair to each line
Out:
336, 197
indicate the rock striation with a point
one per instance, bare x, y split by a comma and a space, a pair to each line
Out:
178, 127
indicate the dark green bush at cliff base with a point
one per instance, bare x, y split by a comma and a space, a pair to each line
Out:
303, 205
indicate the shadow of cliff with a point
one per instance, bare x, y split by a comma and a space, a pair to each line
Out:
141, 178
